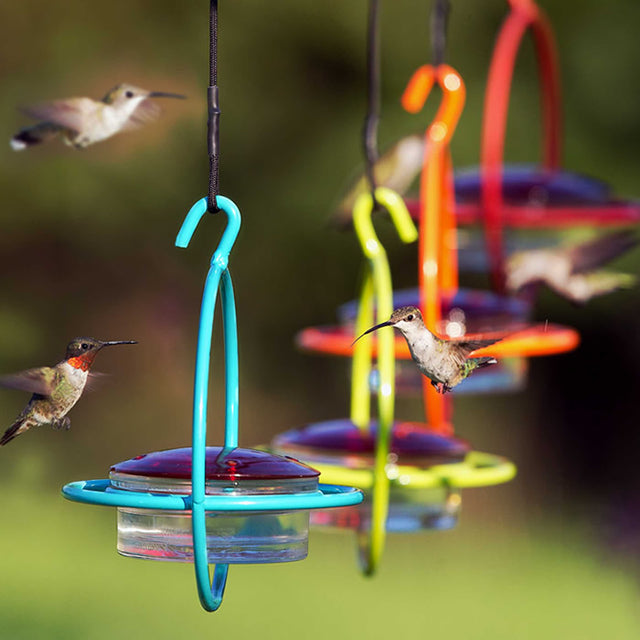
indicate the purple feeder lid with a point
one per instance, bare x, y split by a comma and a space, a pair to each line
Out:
220, 464
411, 442
530, 183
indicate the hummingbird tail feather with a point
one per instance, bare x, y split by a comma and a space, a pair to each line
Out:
31, 136
20, 425
479, 363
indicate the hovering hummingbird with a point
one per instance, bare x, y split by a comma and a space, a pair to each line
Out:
83, 121
572, 271
396, 169
55, 389
445, 362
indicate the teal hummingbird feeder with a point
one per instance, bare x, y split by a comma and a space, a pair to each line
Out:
222, 504
225, 504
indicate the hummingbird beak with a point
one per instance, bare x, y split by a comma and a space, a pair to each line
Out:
388, 323
113, 342
162, 94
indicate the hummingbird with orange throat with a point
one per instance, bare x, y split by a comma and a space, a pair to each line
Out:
55, 389
81, 122
445, 362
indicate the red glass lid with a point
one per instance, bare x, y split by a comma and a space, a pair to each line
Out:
531, 184
535, 197
220, 464
411, 442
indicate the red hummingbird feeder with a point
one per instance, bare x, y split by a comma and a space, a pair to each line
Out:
527, 197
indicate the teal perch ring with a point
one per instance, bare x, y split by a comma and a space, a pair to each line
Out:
257, 493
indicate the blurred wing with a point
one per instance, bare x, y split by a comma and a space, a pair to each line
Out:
396, 169
71, 114
95, 380
460, 349
591, 255
40, 381
147, 111
401, 164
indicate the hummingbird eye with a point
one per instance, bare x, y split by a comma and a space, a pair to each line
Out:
84, 345
128, 94
410, 317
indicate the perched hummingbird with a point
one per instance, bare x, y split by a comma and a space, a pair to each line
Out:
572, 271
83, 121
55, 389
445, 362
396, 169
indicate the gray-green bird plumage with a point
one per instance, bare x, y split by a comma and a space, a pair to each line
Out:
84, 121
445, 362
396, 169
55, 389
573, 271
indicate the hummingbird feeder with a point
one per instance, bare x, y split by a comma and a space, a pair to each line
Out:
527, 197
411, 475
220, 504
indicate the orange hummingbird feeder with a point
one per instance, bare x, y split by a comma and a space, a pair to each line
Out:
437, 259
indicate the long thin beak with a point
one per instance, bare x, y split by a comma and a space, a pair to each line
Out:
114, 342
162, 94
378, 326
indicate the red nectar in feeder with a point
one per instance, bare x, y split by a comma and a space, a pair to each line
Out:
340, 447
241, 537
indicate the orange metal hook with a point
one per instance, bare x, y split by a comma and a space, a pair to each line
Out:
437, 259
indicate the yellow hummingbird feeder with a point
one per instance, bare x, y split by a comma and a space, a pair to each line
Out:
411, 473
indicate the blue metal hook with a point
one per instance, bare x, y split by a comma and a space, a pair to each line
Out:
211, 594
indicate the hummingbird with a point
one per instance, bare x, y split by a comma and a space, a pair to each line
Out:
573, 271
445, 362
83, 121
396, 169
55, 389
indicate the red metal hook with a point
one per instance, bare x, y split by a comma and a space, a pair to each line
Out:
524, 15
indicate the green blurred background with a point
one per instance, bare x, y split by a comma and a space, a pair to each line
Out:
86, 248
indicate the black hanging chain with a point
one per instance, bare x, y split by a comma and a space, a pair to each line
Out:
370, 129
213, 116
439, 20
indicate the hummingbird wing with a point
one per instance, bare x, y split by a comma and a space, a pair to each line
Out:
95, 380
594, 253
460, 349
40, 380
73, 113
396, 169
147, 111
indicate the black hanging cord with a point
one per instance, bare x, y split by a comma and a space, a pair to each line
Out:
213, 117
439, 19
370, 129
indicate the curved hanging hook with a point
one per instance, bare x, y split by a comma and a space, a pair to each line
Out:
376, 285
211, 594
433, 254
437, 255
524, 15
